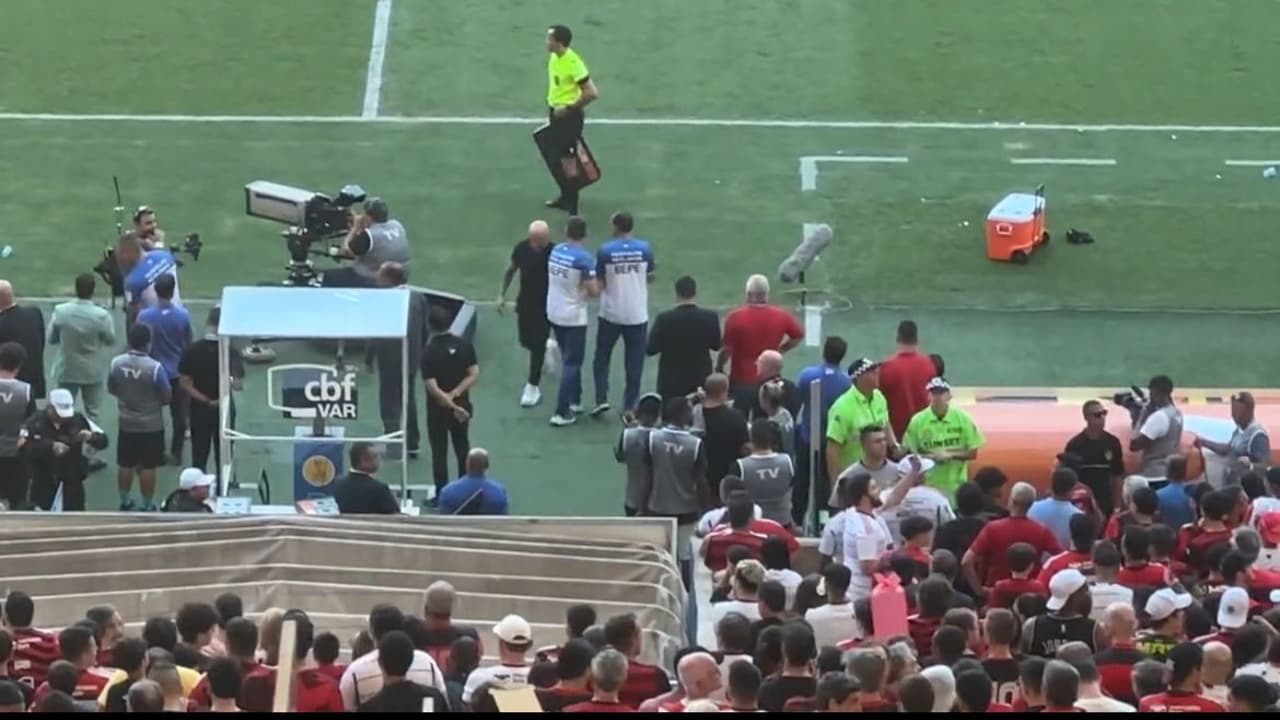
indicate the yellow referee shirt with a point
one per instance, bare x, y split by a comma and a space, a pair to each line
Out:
564, 73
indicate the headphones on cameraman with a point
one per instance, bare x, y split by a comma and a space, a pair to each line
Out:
142, 210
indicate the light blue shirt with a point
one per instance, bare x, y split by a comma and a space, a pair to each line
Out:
834, 383
1056, 515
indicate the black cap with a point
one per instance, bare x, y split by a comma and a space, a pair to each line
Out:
862, 366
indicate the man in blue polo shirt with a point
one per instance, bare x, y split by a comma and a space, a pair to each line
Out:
170, 336
834, 382
141, 269
474, 493
624, 266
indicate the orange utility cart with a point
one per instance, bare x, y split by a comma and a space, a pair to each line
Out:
1015, 227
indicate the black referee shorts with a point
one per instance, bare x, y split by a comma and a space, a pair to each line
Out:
140, 450
566, 130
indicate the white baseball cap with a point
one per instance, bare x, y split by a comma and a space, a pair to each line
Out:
193, 478
1062, 586
1233, 609
61, 401
514, 629
1165, 602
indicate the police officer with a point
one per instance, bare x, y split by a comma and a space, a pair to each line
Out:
374, 239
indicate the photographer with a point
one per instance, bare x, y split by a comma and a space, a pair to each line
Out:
1159, 429
147, 228
53, 442
141, 268
374, 239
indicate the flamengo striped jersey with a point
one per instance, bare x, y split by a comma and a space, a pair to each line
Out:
624, 266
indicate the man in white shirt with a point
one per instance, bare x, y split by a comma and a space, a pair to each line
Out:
624, 267
921, 500
875, 461
1103, 590
515, 639
1159, 429
571, 281
363, 678
744, 595
866, 537
834, 622
733, 635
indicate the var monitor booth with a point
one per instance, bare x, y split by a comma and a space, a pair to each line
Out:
308, 371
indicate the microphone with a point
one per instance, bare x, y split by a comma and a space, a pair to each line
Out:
815, 241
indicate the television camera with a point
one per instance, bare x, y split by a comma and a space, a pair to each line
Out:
312, 218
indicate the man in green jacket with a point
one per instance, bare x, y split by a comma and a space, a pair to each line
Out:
82, 334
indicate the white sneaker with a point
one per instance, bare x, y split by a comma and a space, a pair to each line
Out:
601, 409
576, 408
531, 396
551, 358
561, 421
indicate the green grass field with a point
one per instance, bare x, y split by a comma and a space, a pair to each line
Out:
1179, 281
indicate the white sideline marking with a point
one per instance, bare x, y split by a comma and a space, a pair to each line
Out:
377, 54
1063, 161
1251, 163
809, 165
642, 122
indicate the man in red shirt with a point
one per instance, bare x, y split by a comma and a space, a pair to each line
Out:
641, 681
110, 630
1084, 531
81, 650
753, 328
1022, 560
441, 633
700, 678
903, 378
1138, 572
1196, 540
33, 649
1115, 664
870, 667
609, 670
313, 691
988, 550
1183, 694
742, 529
241, 638
933, 600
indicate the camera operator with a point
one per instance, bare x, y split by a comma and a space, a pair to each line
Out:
141, 268
1159, 429
147, 228
53, 442
374, 239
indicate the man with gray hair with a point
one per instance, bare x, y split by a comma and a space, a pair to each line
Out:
440, 631
608, 673
753, 328
989, 550
699, 676
146, 696
374, 238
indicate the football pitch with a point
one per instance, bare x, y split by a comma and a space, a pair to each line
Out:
724, 126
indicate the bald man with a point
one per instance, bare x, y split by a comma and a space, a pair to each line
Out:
529, 257
1115, 664
24, 324
1216, 672
699, 676
475, 493
769, 394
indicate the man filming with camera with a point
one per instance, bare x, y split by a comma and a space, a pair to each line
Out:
375, 238
148, 228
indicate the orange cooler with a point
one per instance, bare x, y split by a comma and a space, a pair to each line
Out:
1015, 226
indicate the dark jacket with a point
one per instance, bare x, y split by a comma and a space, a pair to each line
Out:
180, 501
40, 434
359, 494
24, 324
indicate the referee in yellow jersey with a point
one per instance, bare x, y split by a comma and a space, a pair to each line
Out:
569, 91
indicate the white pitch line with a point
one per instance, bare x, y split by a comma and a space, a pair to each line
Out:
640, 122
377, 56
1063, 161
809, 165
1250, 163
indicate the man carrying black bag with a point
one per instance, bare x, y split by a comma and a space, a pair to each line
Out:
569, 91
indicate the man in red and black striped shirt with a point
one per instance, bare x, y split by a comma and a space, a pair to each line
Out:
742, 529
33, 650
313, 691
643, 681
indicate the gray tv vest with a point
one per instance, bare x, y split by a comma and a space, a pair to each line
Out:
15, 402
673, 456
136, 381
633, 451
768, 480
388, 242
1155, 460
1241, 442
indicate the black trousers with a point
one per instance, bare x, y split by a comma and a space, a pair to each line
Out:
533, 329
45, 488
566, 130
14, 481
443, 427
204, 433
179, 411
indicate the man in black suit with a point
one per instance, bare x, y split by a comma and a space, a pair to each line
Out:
683, 338
387, 354
24, 324
359, 492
